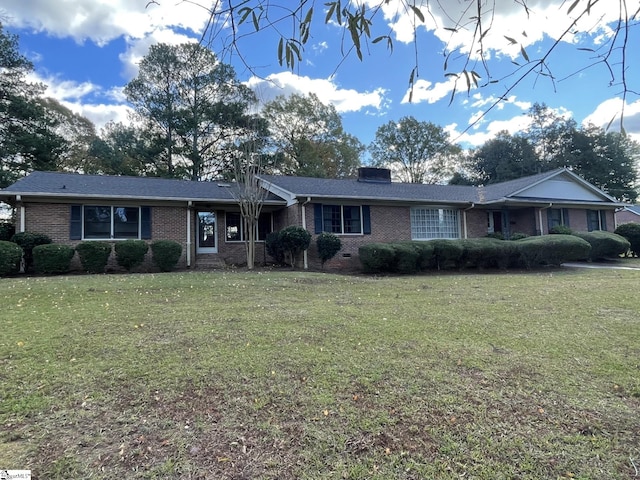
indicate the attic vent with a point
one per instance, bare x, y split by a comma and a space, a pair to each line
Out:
374, 175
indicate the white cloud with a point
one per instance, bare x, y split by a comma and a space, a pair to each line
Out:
608, 114
101, 21
426, 91
345, 100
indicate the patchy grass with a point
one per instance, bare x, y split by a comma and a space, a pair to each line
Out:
290, 375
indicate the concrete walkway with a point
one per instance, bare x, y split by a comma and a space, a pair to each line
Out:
600, 265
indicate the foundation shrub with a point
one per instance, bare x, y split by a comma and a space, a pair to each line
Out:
631, 231
447, 254
10, 256
94, 256
328, 246
274, 247
560, 230
165, 254
293, 240
405, 257
377, 257
551, 250
604, 244
7, 230
481, 252
28, 241
130, 253
52, 258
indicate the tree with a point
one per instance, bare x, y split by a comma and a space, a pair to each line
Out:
27, 138
309, 137
250, 197
470, 25
416, 152
503, 158
193, 107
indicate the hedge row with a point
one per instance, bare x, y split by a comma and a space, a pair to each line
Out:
530, 252
50, 258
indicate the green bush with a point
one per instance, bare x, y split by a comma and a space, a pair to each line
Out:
7, 230
28, 241
377, 257
274, 247
551, 250
293, 241
604, 244
405, 257
165, 254
130, 253
328, 245
518, 236
560, 230
631, 231
447, 253
10, 256
94, 256
52, 258
481, 252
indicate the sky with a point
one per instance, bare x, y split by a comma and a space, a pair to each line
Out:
86, 51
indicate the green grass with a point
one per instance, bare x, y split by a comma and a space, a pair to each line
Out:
291, 375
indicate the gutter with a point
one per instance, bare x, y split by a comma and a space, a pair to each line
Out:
189, 205
464, 218
305, 257
540, 216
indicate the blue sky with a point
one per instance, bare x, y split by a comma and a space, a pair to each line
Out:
87, 50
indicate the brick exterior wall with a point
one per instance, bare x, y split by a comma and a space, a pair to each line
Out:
625, 216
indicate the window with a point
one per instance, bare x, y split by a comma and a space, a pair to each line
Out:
596, 220
342, 219
235, 227
557, 216
102, 222
431, 223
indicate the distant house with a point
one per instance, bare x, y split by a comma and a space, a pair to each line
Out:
205, 219
628, 214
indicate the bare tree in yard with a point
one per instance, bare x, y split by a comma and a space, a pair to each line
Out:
250, 197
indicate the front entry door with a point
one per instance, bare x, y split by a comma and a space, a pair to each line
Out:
207, 232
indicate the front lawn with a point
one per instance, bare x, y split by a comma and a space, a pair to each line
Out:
292, 375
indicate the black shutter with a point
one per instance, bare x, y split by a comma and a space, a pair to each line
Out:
75, 223
603, 217
145, 223
366, 220
565, 216
317, 217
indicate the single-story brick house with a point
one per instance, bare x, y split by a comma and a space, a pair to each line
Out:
204, 216
628, 214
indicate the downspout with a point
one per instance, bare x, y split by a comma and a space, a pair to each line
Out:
23, 219
189, 205
464, 219
540, 216
305, 257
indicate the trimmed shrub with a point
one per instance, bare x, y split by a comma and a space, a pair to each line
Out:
274, 247
447, 253
293, 240
52, 258
405, 257
328, 245
94, 256
631, 231
130, 253
560, 230
498, 235
165, 254
28, 241
604, 244
518, 236
7, 230
480, 252
377, 257
10, 256
551, 250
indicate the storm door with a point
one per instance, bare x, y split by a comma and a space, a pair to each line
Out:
207, 232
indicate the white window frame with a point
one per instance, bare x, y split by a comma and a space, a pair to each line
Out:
111, 235
342, 219
447, 226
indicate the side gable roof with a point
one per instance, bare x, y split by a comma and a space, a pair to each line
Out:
73, 185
